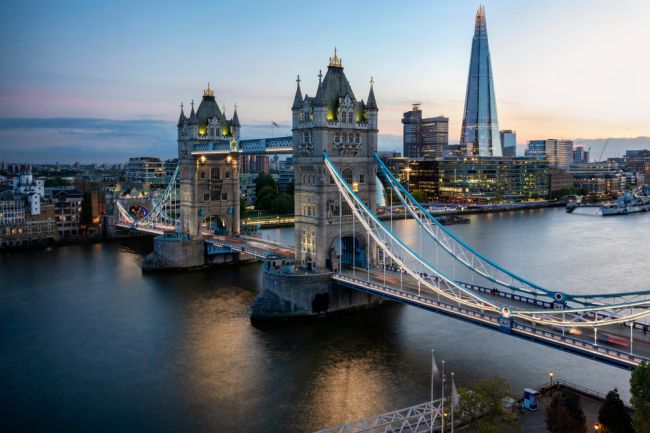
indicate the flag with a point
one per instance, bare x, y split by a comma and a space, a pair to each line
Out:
454, 395
434, 366
275, 124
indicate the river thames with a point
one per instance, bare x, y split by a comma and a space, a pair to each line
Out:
89, 343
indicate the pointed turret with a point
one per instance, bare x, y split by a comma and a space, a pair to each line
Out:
320, 94
372, 103
297, 99
181, 118
235, 118
192, 119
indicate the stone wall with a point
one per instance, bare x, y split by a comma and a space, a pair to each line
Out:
304, 294
171, 253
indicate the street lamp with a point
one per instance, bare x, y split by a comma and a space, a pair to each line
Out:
408, 178
597, 426
551, 373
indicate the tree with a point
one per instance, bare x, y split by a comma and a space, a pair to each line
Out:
640, 389
56, 181
263, 180
564, 414
418, 195
86, 217
485, 406
283, 204
290, 188
264, 198
613, 416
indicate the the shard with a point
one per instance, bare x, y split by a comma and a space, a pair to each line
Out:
480, 133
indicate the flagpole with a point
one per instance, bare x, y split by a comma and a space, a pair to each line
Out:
433, 361
453, 398
442, 404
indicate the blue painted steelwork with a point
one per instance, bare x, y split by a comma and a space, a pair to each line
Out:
553, 294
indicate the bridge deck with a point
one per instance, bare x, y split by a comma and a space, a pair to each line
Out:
582, 344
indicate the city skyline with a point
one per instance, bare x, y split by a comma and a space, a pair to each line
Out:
75, 88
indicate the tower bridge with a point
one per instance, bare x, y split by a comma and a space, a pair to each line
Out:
343, 256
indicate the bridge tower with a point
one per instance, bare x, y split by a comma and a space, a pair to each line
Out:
336, 122
326, 237
209, 176
209, 186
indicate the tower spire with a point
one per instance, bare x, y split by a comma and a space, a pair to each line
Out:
335, 62
297, 99
372, 103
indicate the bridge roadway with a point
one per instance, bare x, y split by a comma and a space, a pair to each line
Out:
576, 340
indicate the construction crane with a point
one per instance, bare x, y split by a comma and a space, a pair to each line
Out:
600, 158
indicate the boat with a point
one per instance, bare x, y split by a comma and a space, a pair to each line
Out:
626, 204
453, 219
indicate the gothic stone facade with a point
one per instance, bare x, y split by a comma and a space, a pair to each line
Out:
333, 121
209, 178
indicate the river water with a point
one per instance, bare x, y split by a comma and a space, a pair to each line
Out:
89, 343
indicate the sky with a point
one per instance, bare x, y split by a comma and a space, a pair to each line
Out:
95, 81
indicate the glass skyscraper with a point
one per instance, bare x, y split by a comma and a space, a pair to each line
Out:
480, 133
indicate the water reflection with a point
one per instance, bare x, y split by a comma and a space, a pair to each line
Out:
89, 343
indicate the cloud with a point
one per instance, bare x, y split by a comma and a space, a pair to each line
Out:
84, 139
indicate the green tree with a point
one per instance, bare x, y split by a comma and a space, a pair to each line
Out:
640, 389
56, 181
283, 204
290, 188
564, 414
264, 198
613, 416
86, 217
418, 195
485, 407
263, 180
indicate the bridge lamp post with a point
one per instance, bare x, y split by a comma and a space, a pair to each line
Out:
551, 373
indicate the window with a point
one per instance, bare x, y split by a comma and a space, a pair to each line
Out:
214, 195
357, 139
202, 174
337, 138
331, 180
206, 196
362, 178
347, 175
215, 173
227, 174
224, 196
345, 138
350, 117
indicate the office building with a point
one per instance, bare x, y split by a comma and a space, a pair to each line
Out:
480, 130
145, 169
559, 153
424, 137
580, 155
509, 143
492, 180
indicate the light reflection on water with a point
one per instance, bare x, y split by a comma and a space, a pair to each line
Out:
89, 343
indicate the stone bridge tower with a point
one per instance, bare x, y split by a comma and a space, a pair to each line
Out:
333, 121
209, 175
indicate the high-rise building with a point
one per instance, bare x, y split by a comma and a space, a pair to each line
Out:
509, 143
480, 131
424, 137
558, 152
145, 169
580, 155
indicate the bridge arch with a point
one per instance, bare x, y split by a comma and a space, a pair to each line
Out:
354, 251
215, 224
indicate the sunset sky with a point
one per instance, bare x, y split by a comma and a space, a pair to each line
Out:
102, 81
